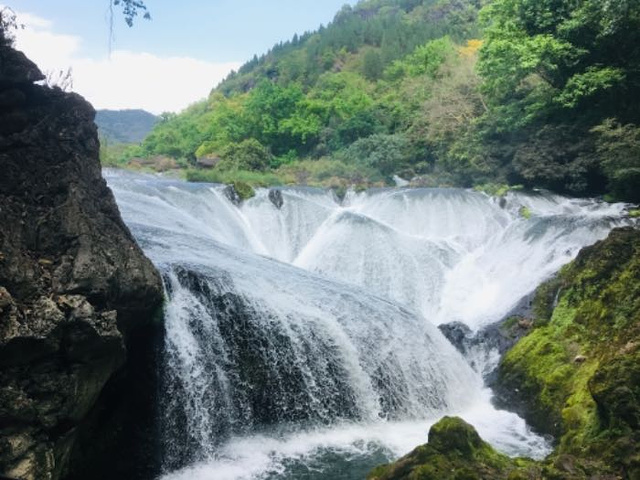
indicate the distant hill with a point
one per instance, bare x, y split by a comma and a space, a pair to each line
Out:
125, 126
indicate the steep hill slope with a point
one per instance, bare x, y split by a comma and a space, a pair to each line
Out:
445, 92
362, 76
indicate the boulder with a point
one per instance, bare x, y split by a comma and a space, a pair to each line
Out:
275, 196
455, 452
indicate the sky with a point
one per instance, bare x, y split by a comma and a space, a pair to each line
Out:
163, 64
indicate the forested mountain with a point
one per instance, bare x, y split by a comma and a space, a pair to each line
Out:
447, 92
125, 126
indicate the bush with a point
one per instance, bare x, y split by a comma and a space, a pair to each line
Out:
386, 153
249, 155
256, 179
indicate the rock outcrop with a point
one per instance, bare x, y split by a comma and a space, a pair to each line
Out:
76, 292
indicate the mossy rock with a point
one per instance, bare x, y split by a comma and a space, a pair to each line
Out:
244, 190
455, 452
525, 212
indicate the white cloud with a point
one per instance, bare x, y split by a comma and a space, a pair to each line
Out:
124, 79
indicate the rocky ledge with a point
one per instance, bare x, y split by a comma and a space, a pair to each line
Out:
76, 292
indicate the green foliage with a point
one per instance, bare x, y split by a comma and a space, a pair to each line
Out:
618, 147
111, 155
317, 94
256, 179
425, 60
553, 70
385, 153
373, 66
563, 43
584, 86
402, 86
130, 9
330, 173
247, 155
272, 117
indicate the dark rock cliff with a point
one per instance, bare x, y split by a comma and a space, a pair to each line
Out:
77, 295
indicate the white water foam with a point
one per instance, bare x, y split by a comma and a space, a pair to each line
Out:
268, 456
350, 318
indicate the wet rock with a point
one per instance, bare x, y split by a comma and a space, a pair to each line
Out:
275, 196
17, 69
231, 193
580, 359
458, 334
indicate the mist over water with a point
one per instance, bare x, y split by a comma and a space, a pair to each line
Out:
301, 341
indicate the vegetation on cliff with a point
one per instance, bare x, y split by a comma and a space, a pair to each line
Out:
578, 371
464, 92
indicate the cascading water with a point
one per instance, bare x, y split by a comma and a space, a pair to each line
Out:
300, 340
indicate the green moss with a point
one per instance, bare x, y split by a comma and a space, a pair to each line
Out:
635, 213
244, 190
525, 212
577, 371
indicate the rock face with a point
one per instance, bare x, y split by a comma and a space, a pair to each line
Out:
76, 292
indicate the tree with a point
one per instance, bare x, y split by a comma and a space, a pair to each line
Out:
386, 153
247, 155
618, 146
372, 67
130, 9
566, 53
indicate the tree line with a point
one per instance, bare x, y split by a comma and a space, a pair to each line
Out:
541, 93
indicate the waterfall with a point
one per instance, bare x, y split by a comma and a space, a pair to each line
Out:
301, 336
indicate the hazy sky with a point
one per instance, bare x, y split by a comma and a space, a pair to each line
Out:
166, 63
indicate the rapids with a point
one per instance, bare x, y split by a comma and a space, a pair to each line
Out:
301, 341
